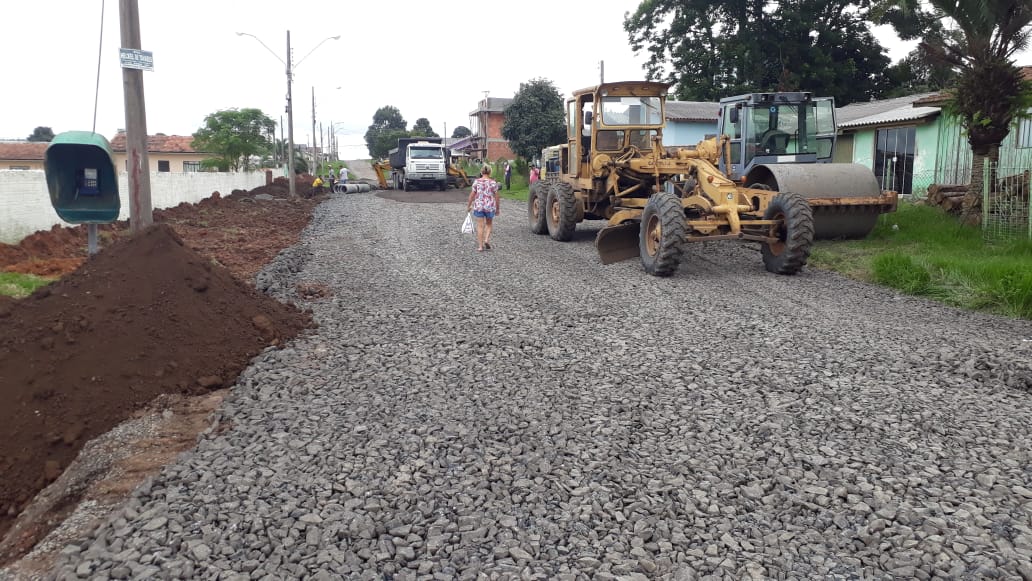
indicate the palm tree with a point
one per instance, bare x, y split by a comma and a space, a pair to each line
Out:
989, 91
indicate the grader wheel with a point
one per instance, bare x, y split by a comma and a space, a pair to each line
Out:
661, 238
537, 205
795, 234
561, 214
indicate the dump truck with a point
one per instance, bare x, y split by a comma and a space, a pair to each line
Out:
419, 162
614, 167
774, 141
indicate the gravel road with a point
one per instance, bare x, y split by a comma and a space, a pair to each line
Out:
529, 413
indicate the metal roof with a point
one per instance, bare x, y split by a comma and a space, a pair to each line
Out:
897, 115
849, 115
691, 111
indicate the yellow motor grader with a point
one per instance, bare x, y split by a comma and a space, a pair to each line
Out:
614, 167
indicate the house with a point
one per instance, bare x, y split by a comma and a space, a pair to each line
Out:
486, 123
166, 153
22, 154
913, 142
898, 139
689, 122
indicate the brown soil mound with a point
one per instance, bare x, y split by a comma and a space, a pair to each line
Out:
146, 316
239, 232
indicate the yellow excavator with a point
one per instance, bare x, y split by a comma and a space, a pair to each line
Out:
383, 169
456, 175
614, 167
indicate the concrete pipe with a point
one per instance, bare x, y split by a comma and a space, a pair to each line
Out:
351, 188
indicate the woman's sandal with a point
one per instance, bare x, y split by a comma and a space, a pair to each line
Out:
487, 245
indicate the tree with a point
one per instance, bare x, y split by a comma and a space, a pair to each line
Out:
234, 136
535, 118
460, 132
386, 126
989, 91
422, 128
917, 73
728, 47
42, 134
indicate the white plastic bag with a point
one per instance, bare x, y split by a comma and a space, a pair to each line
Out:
467, 225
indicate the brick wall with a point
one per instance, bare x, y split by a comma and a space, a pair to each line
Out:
497, 146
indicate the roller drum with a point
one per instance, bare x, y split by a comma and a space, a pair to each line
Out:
827, 181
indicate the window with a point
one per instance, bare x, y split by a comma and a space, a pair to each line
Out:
426, 153
894, 158
163, 165
631, 111
1024, 137
609, 140
191, 166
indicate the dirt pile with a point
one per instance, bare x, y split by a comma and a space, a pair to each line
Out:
242, 231
146, 316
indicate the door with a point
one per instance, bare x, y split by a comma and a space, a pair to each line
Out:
894, 158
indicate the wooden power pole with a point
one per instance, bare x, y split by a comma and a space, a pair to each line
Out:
140, 211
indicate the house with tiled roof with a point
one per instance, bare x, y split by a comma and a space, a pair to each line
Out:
689, 122
22, 154
166, 153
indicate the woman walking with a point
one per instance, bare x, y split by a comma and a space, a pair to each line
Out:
485, 204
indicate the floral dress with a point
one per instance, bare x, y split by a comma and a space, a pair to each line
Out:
485, 190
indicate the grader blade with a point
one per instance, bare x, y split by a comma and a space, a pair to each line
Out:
616, 243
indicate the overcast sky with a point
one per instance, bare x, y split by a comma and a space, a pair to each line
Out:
429, 59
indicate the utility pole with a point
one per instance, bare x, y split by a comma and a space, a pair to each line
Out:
290, 121
140, 211
601, 72
315, 138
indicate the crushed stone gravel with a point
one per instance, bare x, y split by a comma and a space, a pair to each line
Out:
527, 412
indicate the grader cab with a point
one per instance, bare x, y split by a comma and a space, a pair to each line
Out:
614, 167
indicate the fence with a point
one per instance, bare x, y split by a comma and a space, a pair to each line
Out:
25, 201
1007, 207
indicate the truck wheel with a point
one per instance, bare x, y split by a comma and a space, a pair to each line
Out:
408, 186
661, 238
537, 203
795, 234
561, 214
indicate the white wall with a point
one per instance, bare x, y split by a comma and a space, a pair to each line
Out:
25, 201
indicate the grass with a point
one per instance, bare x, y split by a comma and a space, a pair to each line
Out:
924, 252
17, 285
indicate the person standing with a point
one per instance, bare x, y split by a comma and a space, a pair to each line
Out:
508, 176
534, 174
485, 204
333, 177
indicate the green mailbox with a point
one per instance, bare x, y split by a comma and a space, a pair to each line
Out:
81, 178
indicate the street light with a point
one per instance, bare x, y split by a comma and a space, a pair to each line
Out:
290, 108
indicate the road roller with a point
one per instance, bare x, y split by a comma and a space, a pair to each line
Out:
734, 186
785, 142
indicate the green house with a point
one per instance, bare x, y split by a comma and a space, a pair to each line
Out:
912, 142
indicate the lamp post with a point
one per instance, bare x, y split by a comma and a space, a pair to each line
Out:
290, 108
